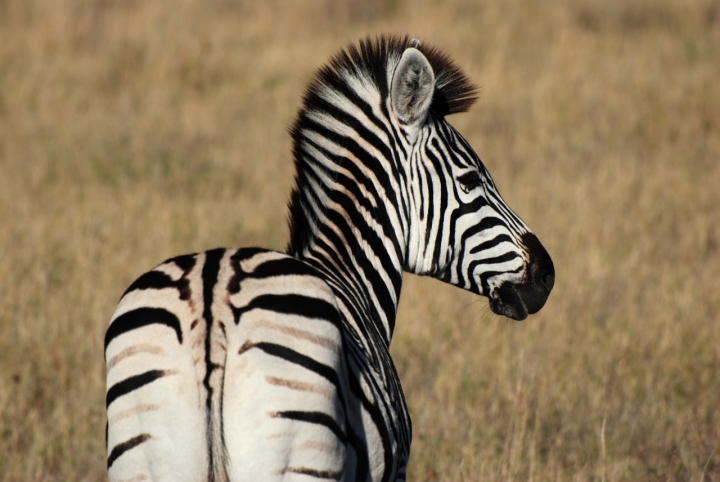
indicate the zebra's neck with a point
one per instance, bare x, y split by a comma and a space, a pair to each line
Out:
348, 211
352, 232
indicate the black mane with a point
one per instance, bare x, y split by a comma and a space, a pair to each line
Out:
453, 90
369, 59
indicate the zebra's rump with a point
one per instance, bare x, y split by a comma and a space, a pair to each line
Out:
227, 365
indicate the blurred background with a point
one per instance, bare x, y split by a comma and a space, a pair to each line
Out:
132, 131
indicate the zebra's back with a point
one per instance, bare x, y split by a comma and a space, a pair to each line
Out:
192, 345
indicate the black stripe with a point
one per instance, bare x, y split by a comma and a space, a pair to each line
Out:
210, 272
350, 274
121, 448
503, 258
358, 101
130, 384
297, 358
151, 280
357, 179
378, 420
353, 181
473, 207
503, 238
345, 119
350, 293
239, 275
487, 223
374, 164
318, 418
365, 267
159, 280
291, 305
142, 317
444, 196
318, 474
283, 267
484, 277
185, 262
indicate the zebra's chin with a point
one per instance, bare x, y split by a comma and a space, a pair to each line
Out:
518, 301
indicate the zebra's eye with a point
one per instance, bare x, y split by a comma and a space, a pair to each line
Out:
470, 180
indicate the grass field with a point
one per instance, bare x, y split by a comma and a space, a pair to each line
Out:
132, 131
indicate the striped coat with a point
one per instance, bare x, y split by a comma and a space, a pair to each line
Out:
253, 364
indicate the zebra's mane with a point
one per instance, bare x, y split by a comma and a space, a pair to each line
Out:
369, 61
371, 58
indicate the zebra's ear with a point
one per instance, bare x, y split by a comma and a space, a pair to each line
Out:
412, 87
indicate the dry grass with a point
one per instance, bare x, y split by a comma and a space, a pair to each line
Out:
131, 131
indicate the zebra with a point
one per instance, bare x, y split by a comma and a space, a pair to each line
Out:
251, 364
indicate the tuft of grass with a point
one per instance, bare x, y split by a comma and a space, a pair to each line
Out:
134, 131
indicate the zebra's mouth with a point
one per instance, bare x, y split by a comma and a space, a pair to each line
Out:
518, 300
507, 302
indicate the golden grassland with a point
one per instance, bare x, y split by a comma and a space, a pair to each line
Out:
132, 131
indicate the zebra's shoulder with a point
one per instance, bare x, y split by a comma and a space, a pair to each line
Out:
278, 282
259, 263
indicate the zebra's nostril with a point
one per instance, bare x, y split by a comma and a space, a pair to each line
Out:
548, 280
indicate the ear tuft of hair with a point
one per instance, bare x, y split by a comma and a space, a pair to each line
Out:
454, 92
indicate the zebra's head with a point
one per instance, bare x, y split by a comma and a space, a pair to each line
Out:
385, 184
460, 230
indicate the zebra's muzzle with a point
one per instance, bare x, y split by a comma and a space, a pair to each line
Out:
518, 300
507, 302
